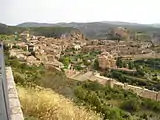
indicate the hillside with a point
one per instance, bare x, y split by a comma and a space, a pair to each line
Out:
94, 30
98, 30
4, 29
110, 103
156, 39
45, 104
34, 24
55, 31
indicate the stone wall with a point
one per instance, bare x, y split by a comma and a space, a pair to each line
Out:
14, 104
138, 90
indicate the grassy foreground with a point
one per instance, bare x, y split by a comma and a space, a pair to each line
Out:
44, 104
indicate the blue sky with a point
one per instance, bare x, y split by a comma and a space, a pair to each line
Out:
52, 11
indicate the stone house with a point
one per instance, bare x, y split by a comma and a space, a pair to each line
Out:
25, 35
22, 45
94, 42
106, 60
21, 57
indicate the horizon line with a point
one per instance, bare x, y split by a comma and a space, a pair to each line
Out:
79, 22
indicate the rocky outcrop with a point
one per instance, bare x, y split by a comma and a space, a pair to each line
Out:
119, 33
155, 39
73, 35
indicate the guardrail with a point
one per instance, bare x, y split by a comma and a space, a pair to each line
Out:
4, 101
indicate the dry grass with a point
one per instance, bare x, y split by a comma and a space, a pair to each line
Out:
44, 104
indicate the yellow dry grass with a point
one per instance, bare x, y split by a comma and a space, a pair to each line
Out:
45, 104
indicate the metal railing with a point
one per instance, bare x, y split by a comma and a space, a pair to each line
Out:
4, 101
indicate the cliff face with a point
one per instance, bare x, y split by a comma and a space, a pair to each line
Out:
123, 32
156, 39
120, 33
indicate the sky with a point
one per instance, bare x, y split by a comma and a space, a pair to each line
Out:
13, 12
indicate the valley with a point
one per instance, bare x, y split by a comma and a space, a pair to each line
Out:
117, 77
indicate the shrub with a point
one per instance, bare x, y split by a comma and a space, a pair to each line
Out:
131, 105
151, 105
44, 104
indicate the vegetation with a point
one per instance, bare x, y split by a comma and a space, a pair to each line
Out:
40, 31
24, 74
41, 103
44, 104
6, 37
4, 29
119, 62
153, 64
96, 64
124, 63
8, 30
114, 104
81, 60
146, 74
97, 30
52, 31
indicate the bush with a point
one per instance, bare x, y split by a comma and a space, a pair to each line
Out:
44, 104
131, 105
119, 62
19, 78
151, 105
130, 65
96, 64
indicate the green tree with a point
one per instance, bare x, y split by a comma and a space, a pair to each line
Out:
130, 65
140, 70
119, 62
131, 105
66, 61
124, 64
96, 64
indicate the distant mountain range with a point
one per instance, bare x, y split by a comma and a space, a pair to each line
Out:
36, 24
98, 30
156, 25
4, 29
92, 30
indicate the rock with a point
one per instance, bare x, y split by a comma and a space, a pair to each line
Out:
119, 33
73, 35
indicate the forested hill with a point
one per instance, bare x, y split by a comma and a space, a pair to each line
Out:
94, 30
4, 29
55, 32
98, 30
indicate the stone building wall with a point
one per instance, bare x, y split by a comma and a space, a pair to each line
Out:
106, 60
138, 90
14, 104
